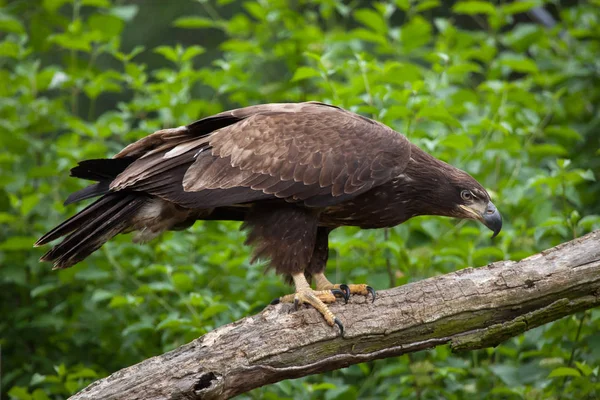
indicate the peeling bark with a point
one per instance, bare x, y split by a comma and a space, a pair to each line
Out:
469, 309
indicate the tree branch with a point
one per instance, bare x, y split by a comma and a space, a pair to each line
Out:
469, 309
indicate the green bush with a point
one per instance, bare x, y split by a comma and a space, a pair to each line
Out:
483, 87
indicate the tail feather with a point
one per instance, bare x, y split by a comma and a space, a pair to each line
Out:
101, 169
95, 190
91, 225
91, 228
83, 217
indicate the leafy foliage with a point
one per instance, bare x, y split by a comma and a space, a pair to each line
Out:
481, 86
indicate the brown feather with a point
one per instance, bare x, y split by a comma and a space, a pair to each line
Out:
292, 171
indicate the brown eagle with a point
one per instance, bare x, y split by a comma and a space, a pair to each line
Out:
291, 172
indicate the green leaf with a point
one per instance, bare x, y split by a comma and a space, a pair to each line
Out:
564, 371
109, 26
70, 43
402, 72
194, 22
82, 42
40, 394
167, 52
464, 68
519, 6
438, 113
403, 4
368, 36
73, 386
589, 222
9, 49
41, 290
415, 33
138, 327
213, 310
424, 5
61, 369
371, 19
29, 202
524, 65
305, 73
459, 142
36, 379
323, 386
121, 301
127, 12
53, 5
83, 373
172, 322
505, 392
96, 3
192, 52
159, 287
240, 46
255, 9
584, 368
548, 149
6, 218
563, 132
128, 57
474, 7
182, 281
588, 175
101, 295
19, 393
18, 243
8, 23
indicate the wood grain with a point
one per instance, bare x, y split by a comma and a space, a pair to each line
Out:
469, 309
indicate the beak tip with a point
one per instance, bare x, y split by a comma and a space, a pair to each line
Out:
493, 220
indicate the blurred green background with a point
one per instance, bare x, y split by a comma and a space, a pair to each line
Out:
484, 86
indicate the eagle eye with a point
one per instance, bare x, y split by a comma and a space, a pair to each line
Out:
466, 195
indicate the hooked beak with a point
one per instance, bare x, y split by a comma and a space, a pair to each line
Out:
490, 217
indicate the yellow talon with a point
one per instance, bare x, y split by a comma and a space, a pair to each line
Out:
316, 298
361, 288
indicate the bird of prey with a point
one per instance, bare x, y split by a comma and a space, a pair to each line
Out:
292, 172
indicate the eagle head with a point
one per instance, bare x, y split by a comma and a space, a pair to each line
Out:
474, 203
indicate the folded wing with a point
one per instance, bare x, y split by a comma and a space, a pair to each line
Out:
311, 153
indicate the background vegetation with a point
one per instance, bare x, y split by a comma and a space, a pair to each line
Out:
480, 85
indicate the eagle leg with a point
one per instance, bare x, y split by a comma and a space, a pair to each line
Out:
324, 284
316, 298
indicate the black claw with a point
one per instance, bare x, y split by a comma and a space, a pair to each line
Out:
339, 324
346, 291
276, 301
372, 291
296, 304
338, 293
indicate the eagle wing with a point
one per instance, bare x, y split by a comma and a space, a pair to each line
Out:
312, 153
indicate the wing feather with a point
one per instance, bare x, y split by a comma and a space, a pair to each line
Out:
309, 152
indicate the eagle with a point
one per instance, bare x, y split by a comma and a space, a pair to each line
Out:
292, 172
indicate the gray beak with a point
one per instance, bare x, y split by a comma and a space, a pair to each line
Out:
492, 219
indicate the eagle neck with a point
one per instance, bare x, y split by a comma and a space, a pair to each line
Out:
426, 186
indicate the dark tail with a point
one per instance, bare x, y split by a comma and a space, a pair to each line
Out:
103, 171
96, 224
91, 228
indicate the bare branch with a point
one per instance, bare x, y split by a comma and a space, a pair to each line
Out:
469, 309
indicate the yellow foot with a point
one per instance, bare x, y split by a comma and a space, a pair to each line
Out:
362, 289
317, 299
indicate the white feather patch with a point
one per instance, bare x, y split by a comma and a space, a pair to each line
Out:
185, 147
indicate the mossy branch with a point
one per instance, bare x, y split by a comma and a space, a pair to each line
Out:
469, 309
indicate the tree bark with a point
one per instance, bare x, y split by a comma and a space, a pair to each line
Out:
468, 309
